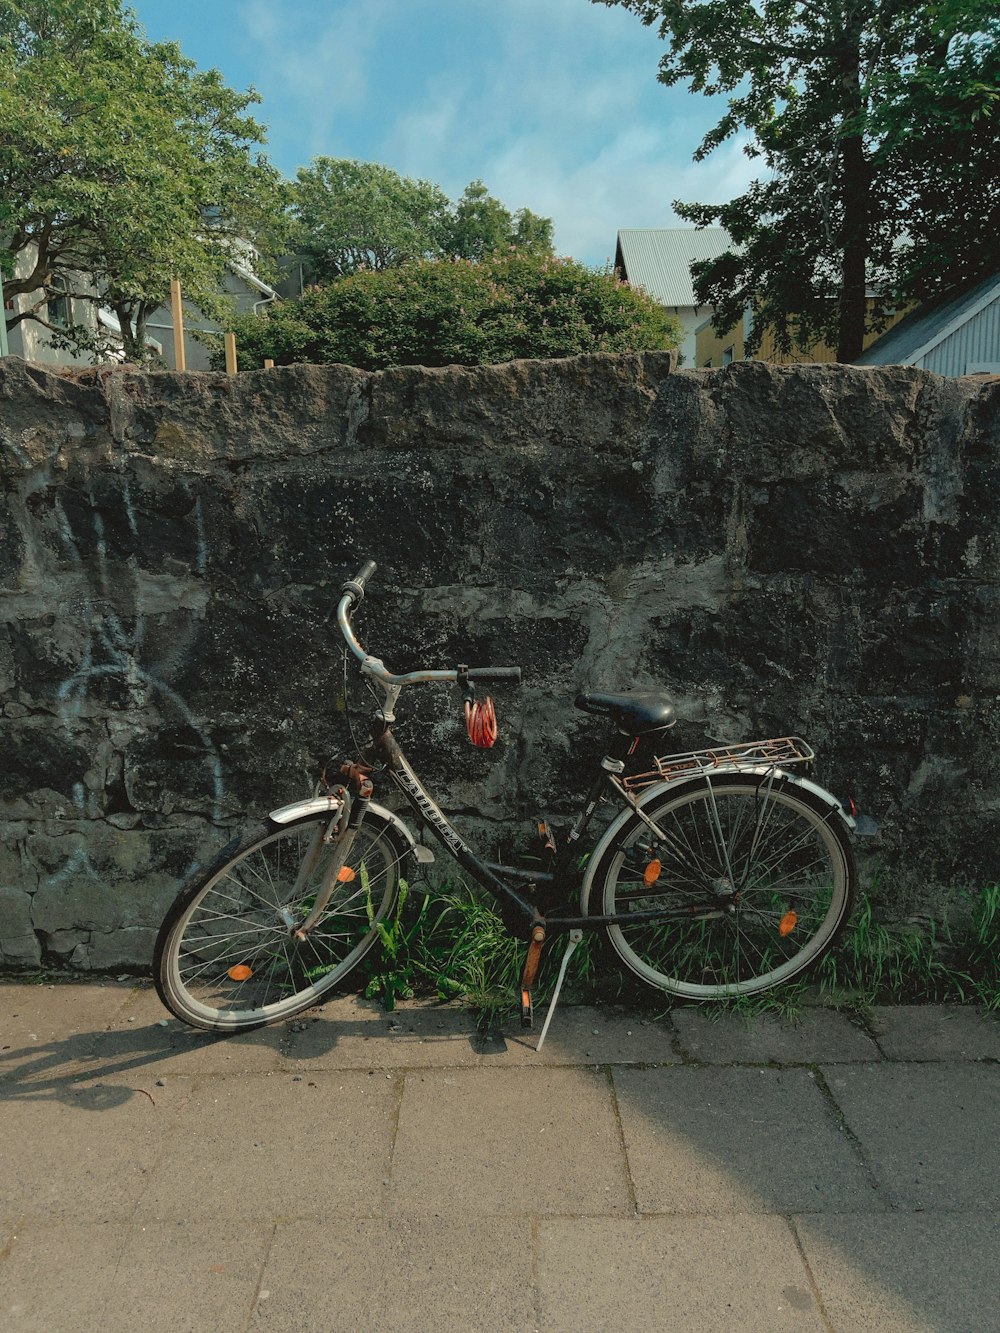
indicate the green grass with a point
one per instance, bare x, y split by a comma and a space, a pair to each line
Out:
934, 962
450, 942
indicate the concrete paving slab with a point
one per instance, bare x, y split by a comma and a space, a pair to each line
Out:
61, 1009
261, 1146
588, 1034
906, 1273
508, 1142
818, 1036
178, 1049
177, 1276
693, 1275
82, 1151
401, 1274
709, 1140
349, 1032
929, 1130
42, 1022
147, 1051
936, 1032
56, 1278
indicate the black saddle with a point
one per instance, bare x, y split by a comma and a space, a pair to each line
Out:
633, 713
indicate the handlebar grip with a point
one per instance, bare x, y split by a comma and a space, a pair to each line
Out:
365, 572
356, 586
495, 673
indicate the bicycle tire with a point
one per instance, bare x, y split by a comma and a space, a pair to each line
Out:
764, 867
226, 959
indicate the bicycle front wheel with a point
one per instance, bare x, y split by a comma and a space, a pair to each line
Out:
758, 877
227, 958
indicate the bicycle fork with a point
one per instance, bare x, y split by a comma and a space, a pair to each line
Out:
355, 798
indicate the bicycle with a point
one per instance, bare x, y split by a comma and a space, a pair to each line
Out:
723, 872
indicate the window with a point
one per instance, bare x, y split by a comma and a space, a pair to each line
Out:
60, 306
727, 356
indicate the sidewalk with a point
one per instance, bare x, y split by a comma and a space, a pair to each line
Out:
359, 1170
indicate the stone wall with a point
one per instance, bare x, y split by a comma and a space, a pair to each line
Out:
809, 549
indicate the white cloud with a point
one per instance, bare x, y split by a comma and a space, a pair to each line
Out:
632, 182
553, 103
318, 69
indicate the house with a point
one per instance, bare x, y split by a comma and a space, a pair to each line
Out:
714, 349
34, 342
246, 292
659, 260
958, 334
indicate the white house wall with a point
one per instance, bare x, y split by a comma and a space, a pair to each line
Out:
689, 318
30, 339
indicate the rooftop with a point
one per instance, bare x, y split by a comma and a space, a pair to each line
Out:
928, 325
659, 259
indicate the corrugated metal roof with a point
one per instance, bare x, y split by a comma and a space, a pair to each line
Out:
926, 326
659, 258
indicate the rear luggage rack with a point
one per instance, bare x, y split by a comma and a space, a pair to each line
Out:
781, 752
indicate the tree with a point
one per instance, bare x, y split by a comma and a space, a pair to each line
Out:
362, 215
938, 123
433, 313
122, 162
829, 90
479, 225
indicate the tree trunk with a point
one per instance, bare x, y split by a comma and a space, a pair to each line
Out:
855, 192
132, 342
141, 314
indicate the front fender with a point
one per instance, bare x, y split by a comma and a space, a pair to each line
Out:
285, 814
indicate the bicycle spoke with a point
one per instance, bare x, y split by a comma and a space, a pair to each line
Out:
242, 919
762, 874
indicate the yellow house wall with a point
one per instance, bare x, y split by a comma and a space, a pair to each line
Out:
710, 346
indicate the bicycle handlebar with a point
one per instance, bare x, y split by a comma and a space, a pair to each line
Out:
353, 592
356, 586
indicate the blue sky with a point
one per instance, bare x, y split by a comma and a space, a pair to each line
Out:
553, 103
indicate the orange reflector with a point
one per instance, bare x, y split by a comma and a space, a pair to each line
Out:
346, 875
241, 972
788, 923
652, 872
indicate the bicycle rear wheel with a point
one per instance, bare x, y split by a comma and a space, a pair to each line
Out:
760, 873
226, 957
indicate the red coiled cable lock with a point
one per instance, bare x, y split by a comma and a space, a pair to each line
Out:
481, 722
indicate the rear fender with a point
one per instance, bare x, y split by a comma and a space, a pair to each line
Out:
661, 789
779, 774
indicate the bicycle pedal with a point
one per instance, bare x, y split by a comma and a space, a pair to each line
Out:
527, 1011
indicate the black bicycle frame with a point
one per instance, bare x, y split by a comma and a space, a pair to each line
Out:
519, 914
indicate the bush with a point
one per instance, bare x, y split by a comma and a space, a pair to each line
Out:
438, 313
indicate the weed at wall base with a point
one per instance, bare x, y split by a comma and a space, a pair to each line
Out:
450, 942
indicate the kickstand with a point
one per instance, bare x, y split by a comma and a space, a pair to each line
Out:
575, 936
